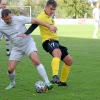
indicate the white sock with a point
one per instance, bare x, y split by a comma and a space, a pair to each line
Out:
42, 72
12, 76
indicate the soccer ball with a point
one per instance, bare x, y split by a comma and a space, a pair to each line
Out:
40, 87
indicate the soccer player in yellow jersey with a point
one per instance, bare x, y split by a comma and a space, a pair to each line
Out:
50, 43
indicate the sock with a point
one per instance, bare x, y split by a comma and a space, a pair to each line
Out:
12, 76
64, 73
43, 73
55, 65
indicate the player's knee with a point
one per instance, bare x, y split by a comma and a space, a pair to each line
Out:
57, 53
68, 60
11, 69
36, 62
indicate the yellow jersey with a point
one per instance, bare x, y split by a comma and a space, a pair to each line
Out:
46, 34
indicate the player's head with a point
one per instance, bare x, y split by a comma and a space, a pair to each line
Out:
98, 4
6, 16
3, 4
50, 7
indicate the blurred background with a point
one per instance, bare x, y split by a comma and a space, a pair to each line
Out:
66, 8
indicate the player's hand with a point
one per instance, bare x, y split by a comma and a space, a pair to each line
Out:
22, 35
53, 28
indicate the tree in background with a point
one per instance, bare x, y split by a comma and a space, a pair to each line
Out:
37, 6
65, 9
74, 8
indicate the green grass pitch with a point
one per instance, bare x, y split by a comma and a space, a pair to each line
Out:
84, 81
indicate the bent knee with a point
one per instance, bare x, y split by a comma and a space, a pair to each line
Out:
68, 60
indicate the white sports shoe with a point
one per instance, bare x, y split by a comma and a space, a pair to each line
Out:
11, 85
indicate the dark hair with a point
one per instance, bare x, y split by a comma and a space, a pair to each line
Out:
51, 2
5, 12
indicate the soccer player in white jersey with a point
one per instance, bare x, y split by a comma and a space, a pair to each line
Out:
96, 17
3, 4
12, 26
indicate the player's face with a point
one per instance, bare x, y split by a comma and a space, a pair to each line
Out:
50, 10
3, 5
98, 5
7, 19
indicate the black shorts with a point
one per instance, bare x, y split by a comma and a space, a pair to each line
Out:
50, 45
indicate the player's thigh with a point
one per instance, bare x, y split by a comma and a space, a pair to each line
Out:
31, 51
52, 46
65, 55
16, 54
56, 53
30, 47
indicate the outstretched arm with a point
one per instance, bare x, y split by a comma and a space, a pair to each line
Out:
31, 29
39, 22
35, 23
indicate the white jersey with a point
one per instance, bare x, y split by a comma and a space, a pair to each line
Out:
21, 45
16, 27
96, 14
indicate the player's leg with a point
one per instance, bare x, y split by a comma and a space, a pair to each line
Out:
53, 48
96, 28
31, 51
55, 65
40, 68
67, 59
13, 60
99, 27
11, 74
65, 70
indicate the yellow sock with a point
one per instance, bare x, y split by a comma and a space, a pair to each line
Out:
64, 73
55, 65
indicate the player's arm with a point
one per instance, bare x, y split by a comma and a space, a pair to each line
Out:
34, 26
31, 29
35, 23
39, 22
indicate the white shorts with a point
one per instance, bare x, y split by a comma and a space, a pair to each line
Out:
26, 46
